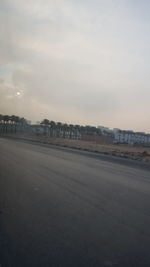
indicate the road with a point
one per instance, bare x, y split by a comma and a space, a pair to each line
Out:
59, 208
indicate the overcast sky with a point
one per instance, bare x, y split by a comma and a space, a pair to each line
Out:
76, 61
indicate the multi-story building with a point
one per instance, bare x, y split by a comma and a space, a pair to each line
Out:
105, 130
131, 138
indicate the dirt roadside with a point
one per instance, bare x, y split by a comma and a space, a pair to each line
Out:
137, 153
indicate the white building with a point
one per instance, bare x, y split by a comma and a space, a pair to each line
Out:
105, 130
131, 138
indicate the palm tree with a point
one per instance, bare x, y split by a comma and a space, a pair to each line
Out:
12, 118
23, 121
53, 127
17, 120
6, 120
45, 124
59, 127
82, 129
12, 121
77, 128
70, 130
1, 118
65, 128
23, 124
1, 123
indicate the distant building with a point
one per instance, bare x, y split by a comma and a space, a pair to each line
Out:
131, 138
38, 129
28, 122
105, 130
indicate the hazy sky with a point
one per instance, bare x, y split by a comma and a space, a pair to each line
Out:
76, 61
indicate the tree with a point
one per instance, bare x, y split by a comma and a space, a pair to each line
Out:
12, 121
59, 128
6, 120
17, 120
53, 127
23, 124
1, 123
77, 129
45, 124
1, 118
70, 130
65, 128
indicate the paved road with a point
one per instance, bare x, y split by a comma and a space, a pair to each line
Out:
62, 209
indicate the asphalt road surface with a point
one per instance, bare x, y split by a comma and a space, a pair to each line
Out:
58, 208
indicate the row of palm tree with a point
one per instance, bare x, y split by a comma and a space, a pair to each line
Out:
59, 129
12, 123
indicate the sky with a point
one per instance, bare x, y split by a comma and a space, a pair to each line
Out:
81, 62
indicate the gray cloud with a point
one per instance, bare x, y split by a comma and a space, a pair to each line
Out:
78, 62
